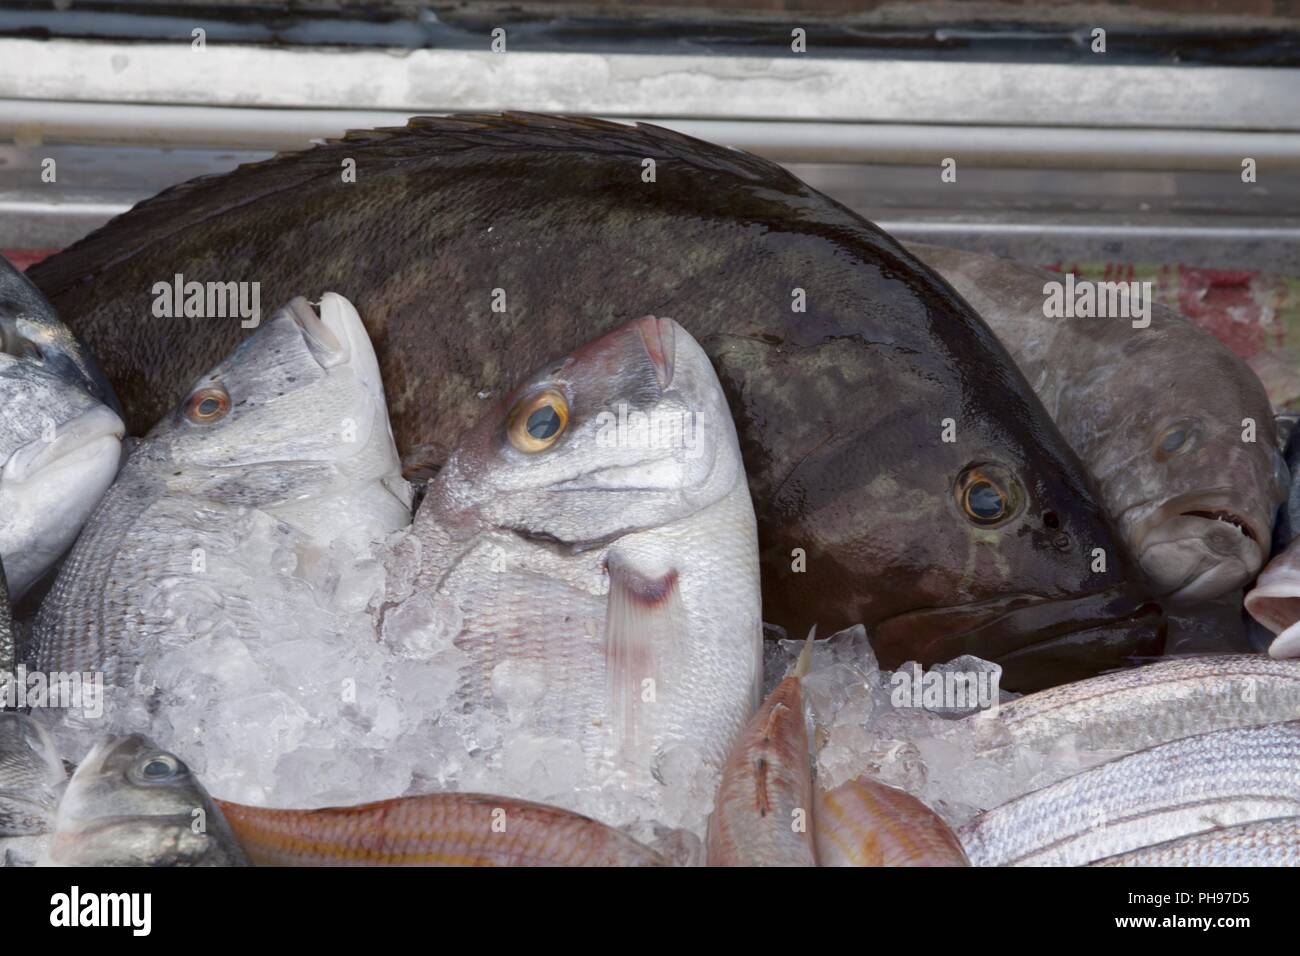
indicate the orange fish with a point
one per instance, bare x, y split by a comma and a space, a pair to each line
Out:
440, 829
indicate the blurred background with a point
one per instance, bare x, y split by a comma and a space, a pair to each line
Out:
1116, 155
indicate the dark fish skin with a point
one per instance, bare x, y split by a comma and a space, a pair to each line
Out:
839, 409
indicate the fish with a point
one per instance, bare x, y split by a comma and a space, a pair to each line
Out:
863, 822
1138, 708
31, 329
1274, 602
763, 815
1258, 843
1177, 430
593, 532
438, 829
31, 777
8, 637
1167, 792
279, 451
131, 803
60, 439
847, 364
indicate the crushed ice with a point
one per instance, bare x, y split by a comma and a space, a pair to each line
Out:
866, 721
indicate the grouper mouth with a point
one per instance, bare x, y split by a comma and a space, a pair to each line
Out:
1198, 547
1040, 642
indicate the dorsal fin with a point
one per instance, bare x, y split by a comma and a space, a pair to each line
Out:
424, 137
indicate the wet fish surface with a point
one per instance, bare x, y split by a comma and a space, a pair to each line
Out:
1258, 843
599, 583
131, 803
1158, 415
1165, 793
864, 822
441, 829
60, 441
764, 811
1142, 707
8, 636
277, 453
31, 328
31, 777
1274, 602
843, 358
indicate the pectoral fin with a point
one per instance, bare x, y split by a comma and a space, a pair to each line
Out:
644, 627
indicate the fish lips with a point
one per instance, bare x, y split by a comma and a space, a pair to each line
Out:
1200, 546
85, 431
1039, 642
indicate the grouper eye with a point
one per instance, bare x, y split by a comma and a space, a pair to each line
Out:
988, 494
207, 405
1178, 439
537, 421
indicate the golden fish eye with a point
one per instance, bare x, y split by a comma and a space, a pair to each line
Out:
988, 494
537, 421
207, 405
1178, 439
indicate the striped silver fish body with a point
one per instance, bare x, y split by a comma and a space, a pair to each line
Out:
1177, 789
1258, 843
1130, 710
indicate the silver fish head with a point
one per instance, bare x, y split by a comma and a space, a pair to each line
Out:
131, 803
31, 329
630, 431
59, 451
296, 411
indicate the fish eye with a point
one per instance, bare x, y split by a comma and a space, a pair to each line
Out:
207, 405
988, 494
158, 768
537, 421
1178, 439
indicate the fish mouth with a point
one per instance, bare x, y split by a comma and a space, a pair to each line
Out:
1038, 641
1199, 547
82, 438
328, 347
1274, 601
337, 337
657, 336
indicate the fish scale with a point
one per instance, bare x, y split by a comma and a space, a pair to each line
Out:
1259, 843
1170, 791
220, 550
1142, 707
122, 562
602, 589
445, 829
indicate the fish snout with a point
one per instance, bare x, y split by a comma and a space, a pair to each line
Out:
658, 335
1199, 554
1038, 641
96, 432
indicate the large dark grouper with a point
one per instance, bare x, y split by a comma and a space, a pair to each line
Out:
475, 246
